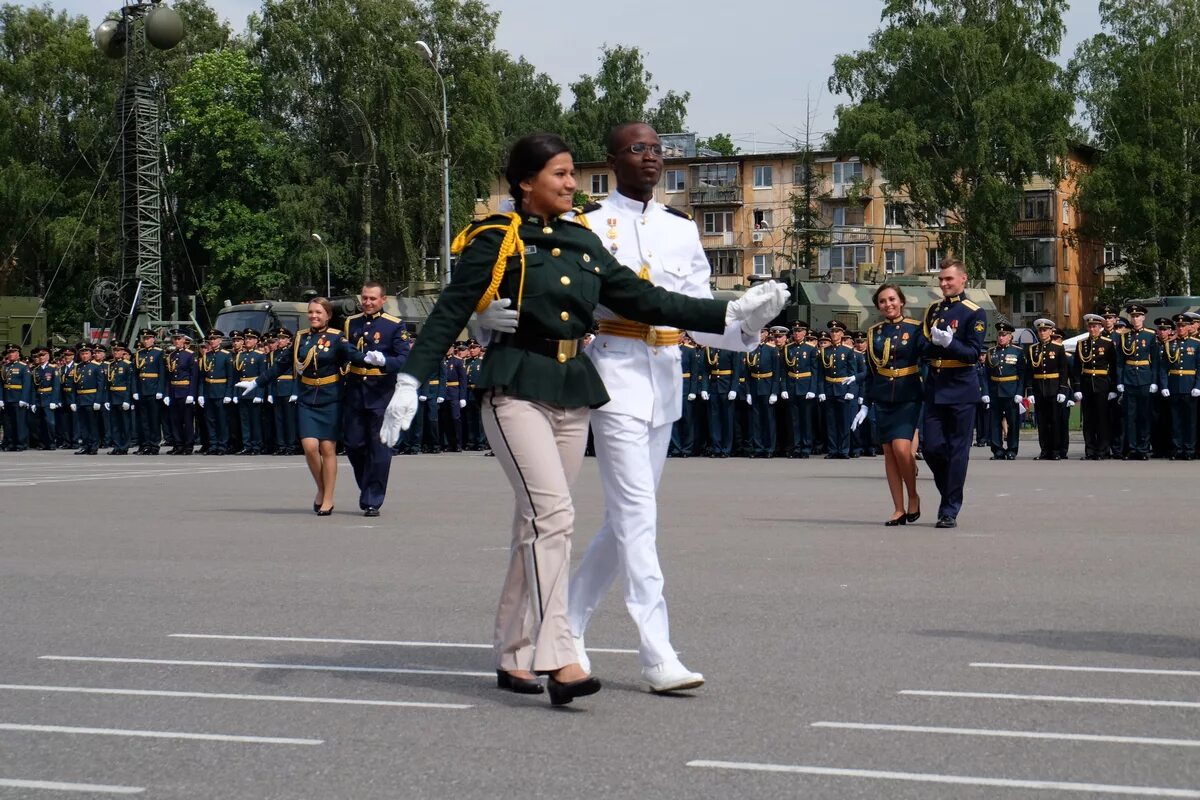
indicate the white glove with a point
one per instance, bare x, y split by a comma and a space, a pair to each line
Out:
463, 403
858, 418
167, 402
22, 404
704, 395
498, 317
849, 380
821, 398
375, 358
32, 409
784, 396
1, 405
1070, 404
422, 398
235, 400
986, 400
809, 395
54, 406
861, 400
941, 336
691, 396
1153, 388
158, 396
757, 307
226, 401
749, 400
1166, 392
849, 396
136, 397
401, 409
773, 399
124, 406
271, 399
1195, 392
731, 396
1060, 398
189, 400
200, 400
107, 406
1031, 400
441, 400
293, 398
1078, 396
1017, 399
95, 406
257, 401
1113, 395
73, 406
247, 387
1020, 407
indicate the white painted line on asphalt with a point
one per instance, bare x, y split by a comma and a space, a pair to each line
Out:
381, 642
59, 786
960, 780
134, 475
1050, 698
267, 665
1183, 673
205, 737
1006, 734
277, 698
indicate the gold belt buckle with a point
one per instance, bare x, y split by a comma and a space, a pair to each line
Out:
651, 337
567, 349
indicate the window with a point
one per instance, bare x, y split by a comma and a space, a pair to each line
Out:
1066, 304
763, 219
1066, 212
848, 216
716, 175
933, 259
600, 184
800, 174
1032, 302
763, 177
847, 172
764, 263
1112, 255
895, 215
893, 262
716, 222
724, 262
1036, 206
841, 261
676, 181
1034, 253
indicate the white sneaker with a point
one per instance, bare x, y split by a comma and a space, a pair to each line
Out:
671, 676
581, 652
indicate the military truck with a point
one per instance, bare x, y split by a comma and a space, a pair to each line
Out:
22, 322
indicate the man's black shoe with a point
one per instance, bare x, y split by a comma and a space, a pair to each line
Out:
371, 511
946, 522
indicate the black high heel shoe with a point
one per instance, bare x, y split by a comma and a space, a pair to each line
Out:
563, 693
316, 508
324, 512
913, 517
505, 680
900, 520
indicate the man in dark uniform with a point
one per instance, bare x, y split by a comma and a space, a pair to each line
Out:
863, 438
1005, 377
122, 380
455, 392
384, 339
722, 370
65, 419
1116, 410
216, 392
800, 385
762, 392
90, 394
285, 395
1177, 377
1094, 379
1161, 418
151, 388
1137, 371
472, 422
1047, 386
838, 364
182, 377
247, 366
16, 399
1064, 410
683, 432
47, 398
956, 329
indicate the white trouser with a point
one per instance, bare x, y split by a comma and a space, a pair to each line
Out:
630, 454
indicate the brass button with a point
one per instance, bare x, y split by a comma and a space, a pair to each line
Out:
556, 252
564, 316
562, 358
586, 258
547, 229
565, 281
596, 268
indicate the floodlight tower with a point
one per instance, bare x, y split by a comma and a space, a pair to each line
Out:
143, 24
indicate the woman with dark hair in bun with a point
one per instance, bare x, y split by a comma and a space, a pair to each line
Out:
537, 387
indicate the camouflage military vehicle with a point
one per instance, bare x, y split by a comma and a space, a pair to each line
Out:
22, 322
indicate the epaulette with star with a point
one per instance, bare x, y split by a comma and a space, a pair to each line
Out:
679, 213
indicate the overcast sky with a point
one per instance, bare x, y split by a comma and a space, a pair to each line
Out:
749, 68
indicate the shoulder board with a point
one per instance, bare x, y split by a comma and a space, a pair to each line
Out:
389, 317
677, 212
587, 208
333, 330
577, 221
353, 316
912, 321
1106, 338
969, 304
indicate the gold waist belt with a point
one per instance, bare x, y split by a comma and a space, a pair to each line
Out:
899, 372
14, 386
366, 371
721, 372
946, 363
636, 330
838, 380
147, 374
687, 374
1137, 363
181, 383
1007, 378
118, 388
328, 379
1047, 377
215, 380
46, 389
285, 377
1183, 372
86, 391
435, 383
799, 374
452, 383
762, 375
1087, 371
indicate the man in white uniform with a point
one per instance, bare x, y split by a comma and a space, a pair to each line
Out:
641, 370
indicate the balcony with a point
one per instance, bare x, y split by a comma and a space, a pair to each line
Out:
1035, 227
1035, 276
715, 196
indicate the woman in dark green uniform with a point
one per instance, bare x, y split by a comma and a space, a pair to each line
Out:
538, 387
318, 356
893, 389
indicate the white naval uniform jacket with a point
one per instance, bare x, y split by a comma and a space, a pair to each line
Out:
643, 381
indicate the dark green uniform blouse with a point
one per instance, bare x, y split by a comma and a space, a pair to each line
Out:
568, 273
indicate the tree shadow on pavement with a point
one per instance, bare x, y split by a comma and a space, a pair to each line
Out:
1123, 643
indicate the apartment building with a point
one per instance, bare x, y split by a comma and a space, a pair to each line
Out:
742, 206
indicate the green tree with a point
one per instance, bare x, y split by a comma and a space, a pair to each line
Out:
529, 99
1140, 82
807, 231
960, 103
721, 142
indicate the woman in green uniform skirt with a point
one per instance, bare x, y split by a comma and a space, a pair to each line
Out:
318, 356
537, 387
893, 389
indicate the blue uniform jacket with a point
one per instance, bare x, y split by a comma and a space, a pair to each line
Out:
372, 387
216, 375
89, 383
894, 362
318, 358
182, 374
800, 369
763, 371
689, 365
1137, 358
18, 383
951, 378
434, 385
151, 372
249, 365
1177, 367
837, 363
455, 379
122, 381
1005, 371
47, 386
283, 380
722, 369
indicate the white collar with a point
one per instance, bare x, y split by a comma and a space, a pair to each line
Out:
624, 203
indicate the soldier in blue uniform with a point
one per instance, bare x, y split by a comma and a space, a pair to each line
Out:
216, 391
955, 328
103, 421
182, 376
122, 380
1177, 377
1161, 419
683, 432
88, 383
722, 369
1137, 373
368, 390
64, 418
839, 368
762, 392
1005, 380
454, 390
285, 395
863, 437
1116, 408
432, 395
800, 389
1094, 381
47, 398
16, 399
472, 422
1047, 387
1064, 410
247, 366
151, 389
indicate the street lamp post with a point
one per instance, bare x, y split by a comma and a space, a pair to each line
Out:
428, 53
316, 237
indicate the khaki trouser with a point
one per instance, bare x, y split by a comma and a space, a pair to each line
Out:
541, 449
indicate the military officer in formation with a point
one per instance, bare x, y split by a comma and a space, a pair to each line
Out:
1137, 375
1047, 387
800, 389
840, 369
151, 387
16, 399
47, 397
1003, 396
763, 385
1094, 384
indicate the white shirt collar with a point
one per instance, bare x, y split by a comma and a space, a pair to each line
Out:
624, 203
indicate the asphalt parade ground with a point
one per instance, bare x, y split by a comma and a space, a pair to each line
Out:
186, 628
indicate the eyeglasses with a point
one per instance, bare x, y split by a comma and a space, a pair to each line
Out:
638, 148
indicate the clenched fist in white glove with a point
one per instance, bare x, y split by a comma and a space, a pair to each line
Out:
226, 401
773, 399
784, 396
22, 404
704, 396
136, 397
986, 400
256, 401
1165, 392
757, 307
107, 406
941, 336
1031, 400
1078, 396
293, 398
731, 396
1017, 399
375, 358
821, 398
498, 317
73, 406
95, 406
401, 409
849, 396
124, 406
200, 400
462, 403
441, 400
691, 396
1113, 395
1153, 388
54, 406
1195, 392
32, 409
1060, 398
189, 400
158, 396
858, 418
749, 400
1070, 404
809, 395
